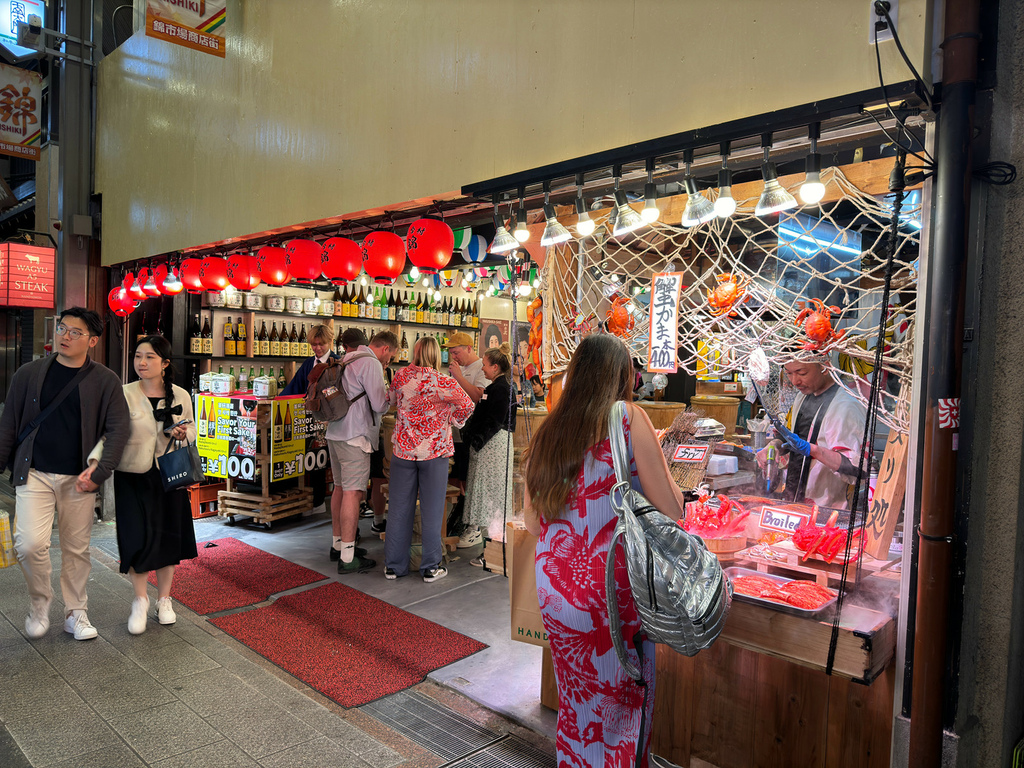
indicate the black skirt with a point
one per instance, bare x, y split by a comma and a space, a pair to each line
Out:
154, 527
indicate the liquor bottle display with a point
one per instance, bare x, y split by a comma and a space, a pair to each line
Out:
207, 334
195, 337
240, 338
264, 341
275, 342
404, 354
304, 348
294, 350
229, 338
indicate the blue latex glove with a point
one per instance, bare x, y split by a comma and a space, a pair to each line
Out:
793, 441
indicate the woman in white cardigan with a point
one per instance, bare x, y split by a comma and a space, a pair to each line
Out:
154, 527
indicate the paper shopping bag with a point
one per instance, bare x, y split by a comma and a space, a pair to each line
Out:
7, 556
527, 625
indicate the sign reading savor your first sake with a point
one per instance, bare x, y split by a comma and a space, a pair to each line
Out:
196, 24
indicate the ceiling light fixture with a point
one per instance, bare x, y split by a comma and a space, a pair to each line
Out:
698, 208
774, 197
626, 219
812, 190
650, 213
522, 234
414, 273
503, 241
584, 224
554, 231
725, 205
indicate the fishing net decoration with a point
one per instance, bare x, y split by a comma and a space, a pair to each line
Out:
748, 280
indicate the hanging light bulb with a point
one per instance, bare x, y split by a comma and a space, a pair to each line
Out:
584, 224
626, 219
650, 213
725, 205
426, 282
525, 289
172, 284
362, 280
774, 197
812, 190
698, 208
503, 240
414, 273
554, 231
521, 233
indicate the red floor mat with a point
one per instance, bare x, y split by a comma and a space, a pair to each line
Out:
351, 647
233, 575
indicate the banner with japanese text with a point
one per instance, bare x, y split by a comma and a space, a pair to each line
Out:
195, 24
661, 355
21, 123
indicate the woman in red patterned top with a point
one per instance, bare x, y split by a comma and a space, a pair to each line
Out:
428, 404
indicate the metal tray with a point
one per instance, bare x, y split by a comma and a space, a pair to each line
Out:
824, 611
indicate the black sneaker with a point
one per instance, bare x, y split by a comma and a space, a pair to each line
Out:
336, 554
433, 574
365, 510
379, 527
359, 564
389, 573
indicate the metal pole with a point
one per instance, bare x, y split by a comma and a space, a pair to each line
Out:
943, 327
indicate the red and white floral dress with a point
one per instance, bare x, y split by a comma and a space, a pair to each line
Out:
598, 704
428, 404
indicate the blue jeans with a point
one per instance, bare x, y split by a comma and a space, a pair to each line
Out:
430, 480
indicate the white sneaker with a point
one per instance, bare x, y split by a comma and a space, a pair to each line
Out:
165, 611
37, 623
470, 539
137, 618
78, 624
319, 509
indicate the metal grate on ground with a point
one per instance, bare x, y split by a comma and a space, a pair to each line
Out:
510, 752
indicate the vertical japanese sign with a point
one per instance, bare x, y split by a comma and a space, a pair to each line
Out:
195, 24
20, 104
661, 357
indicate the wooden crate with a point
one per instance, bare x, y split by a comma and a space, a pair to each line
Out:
203, 493
264, 508
493, 560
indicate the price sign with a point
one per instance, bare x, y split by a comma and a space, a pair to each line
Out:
661, 352
690, 454
784, 520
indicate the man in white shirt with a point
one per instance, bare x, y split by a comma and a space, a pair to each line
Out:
467, 368
352, 439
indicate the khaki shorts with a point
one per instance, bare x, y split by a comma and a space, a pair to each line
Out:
350, 465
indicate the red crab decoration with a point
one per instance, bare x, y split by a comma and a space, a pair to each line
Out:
817, 325
620, 321
731, 290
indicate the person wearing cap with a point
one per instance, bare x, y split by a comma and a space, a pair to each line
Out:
467, 369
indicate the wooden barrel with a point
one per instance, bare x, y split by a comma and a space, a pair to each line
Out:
718, 407
387, 428
530, 419
662, 414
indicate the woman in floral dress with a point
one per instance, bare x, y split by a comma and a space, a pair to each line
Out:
428, 404
569, 476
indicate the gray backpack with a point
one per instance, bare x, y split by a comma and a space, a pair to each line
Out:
325, 396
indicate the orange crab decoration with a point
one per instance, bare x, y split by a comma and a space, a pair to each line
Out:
620, 321
817, 325
731, 290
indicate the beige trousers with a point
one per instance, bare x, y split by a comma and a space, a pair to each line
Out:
37, 500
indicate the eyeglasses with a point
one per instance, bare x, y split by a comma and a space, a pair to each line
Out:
72, 333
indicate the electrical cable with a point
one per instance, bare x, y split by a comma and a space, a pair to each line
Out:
882, 8
927, 160
998, 173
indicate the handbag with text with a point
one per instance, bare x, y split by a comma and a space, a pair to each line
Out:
181, 467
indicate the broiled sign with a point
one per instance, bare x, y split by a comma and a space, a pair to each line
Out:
783, 520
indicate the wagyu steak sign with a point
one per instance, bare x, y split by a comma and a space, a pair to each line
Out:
26, 276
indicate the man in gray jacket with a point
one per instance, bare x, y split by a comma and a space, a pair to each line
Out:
48, 457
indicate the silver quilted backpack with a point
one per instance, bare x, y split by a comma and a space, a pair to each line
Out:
678, 586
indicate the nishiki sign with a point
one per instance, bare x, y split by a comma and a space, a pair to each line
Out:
20, 103
195, 24
26, 276
665, 288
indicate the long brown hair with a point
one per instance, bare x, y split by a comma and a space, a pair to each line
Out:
499, 356
599, 374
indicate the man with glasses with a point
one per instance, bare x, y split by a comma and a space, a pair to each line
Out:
58, 408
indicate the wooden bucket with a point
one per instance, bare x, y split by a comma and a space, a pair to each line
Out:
719, 408
662, 414
535, 416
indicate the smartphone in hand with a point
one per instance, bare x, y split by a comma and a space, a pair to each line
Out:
167, 430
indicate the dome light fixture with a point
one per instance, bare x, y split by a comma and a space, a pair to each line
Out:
698, 208
725, 205
503, 241
650, 212
584, 224
626, 219
812, 190
774, 197
554, 231
521, 233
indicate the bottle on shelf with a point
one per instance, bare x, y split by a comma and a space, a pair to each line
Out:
359, 310
475, 315
338, 302
207, 335
369, 305
444, 350
264, 341
404, 354
338, 348
385, 308
353, 303
304, 348
293, 343
421, 309
240, 337
252, 377
195, 337
392, 306
410, 307
230, 349
378, 305
243, 380
281, 382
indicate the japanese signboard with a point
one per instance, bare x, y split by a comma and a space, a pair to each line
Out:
293, 451
888, 497
195, 24
690, 454
661, 357
26, 276
20, 104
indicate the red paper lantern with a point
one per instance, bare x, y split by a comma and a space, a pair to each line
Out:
341, 260
149, 286
303, 260
120, 302
383, 256
243, 271
213, 273
159, 275
189, 274
273, 265
429, 243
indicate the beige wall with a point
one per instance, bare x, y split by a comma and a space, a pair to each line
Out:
325, 107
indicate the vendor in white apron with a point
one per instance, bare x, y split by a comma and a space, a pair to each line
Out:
824, 435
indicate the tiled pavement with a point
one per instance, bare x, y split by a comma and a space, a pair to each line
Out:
183, 695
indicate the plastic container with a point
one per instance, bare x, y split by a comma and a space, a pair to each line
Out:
719, 408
